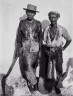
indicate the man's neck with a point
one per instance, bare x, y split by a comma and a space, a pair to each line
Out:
30, 20
54, 25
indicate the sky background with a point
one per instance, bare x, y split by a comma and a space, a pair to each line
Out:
11, 11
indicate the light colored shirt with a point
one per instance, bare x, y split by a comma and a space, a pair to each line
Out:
58, 40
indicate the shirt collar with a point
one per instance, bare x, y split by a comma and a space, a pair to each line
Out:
57, 25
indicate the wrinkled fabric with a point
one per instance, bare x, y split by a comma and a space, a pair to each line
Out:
29, 38
53, 43
29, 30
51, 56
28, 63
61, 33
45, 65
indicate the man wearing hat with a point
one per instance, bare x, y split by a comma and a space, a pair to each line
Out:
28, 40
53, 46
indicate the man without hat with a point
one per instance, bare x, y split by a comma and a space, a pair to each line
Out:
53, 46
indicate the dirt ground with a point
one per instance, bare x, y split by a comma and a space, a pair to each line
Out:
20, 89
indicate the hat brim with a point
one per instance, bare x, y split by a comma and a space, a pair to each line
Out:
30, 10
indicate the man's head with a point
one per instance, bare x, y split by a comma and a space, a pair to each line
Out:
30, 14
53, 16
30, 11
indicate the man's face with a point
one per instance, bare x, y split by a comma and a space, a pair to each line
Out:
30, 14
53, 18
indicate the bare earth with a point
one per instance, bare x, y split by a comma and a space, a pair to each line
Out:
20, 88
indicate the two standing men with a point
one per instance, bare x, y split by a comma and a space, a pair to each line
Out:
52, 38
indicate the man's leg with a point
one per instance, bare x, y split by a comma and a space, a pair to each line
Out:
59, 62
59, 71
27, 74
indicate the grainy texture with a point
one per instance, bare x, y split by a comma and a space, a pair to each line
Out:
20, 88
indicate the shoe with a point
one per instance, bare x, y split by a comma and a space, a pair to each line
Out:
33, 88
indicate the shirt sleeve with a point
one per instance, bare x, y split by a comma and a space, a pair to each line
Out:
40, 32
66, 35
19, 36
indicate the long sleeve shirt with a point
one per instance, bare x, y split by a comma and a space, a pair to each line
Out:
29, 30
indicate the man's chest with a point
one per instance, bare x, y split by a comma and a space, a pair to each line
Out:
30, 30
52, 33
29, 26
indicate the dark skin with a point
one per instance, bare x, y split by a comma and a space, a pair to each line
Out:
53, 19
30, 15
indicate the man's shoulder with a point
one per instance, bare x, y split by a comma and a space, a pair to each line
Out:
37, 21
23, 21
62, 28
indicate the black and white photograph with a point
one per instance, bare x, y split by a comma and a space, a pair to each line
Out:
36, 54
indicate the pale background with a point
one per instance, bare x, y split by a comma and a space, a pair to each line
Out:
10, 13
